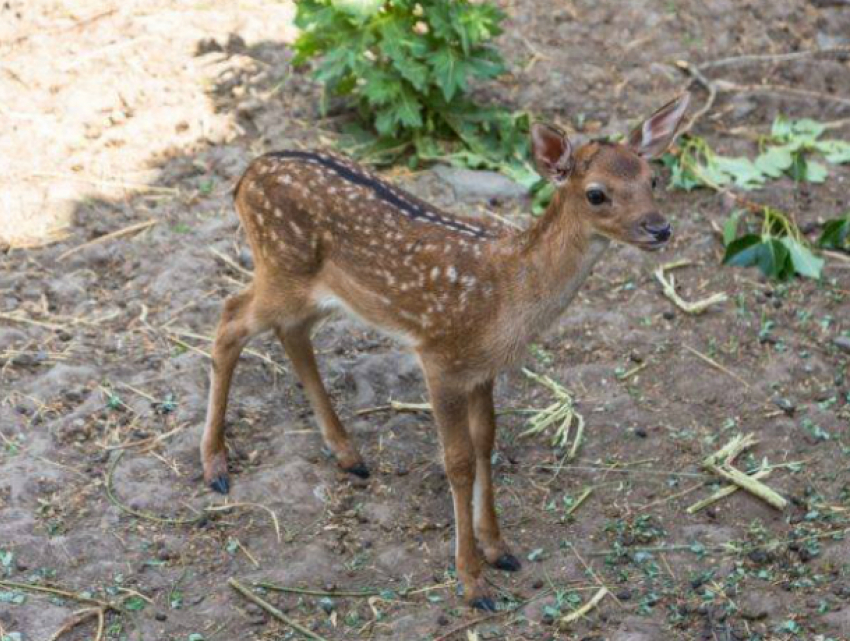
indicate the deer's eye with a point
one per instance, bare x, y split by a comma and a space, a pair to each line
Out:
595, 196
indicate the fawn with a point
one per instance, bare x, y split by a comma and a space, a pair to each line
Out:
467, 295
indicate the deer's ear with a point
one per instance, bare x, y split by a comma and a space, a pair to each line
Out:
651, 138
552, 151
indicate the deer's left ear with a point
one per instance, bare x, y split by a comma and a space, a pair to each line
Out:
552, 152
652, 137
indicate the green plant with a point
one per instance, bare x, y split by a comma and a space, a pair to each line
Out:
408, 66
778, 249
836, 234
787, 150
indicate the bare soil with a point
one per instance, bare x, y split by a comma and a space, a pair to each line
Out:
144, 114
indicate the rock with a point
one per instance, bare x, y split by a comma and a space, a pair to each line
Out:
842, 343
471, 185
756, 605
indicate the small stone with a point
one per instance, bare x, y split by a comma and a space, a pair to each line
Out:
160, 616
785, 405
669, 314
641, 433
842, 343
471, 185
759, 557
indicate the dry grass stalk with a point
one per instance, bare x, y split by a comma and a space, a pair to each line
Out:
720, 463
668, 285
562, 413
723, 492
110, 236
575, 615
273, 611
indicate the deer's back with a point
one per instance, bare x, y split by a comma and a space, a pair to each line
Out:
391, 257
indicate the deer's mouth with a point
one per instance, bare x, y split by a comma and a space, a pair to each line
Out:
652, 244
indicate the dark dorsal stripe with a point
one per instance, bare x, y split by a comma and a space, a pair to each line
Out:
404, 204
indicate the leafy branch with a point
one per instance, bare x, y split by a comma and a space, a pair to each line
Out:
408, 67
777, 247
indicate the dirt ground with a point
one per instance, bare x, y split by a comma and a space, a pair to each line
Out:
142, 116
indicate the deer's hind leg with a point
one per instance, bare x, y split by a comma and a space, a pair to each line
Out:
299, 347
239, 322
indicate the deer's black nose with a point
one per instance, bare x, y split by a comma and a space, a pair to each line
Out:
655, 225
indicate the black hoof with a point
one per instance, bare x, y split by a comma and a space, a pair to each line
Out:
508, 563
221, 484
484, 603
360, 470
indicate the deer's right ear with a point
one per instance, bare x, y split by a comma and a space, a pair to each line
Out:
552, 151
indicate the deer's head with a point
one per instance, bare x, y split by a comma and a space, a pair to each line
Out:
608, 187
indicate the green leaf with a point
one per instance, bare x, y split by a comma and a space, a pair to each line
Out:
804, 261
448, 70
16, 598
835, 151
743, 251
807, 128
775, 161
408, 110
836, 234
773, 259
380, 88
730, 227
815, 172
135, 603
781, 128
536, 554
359, 8
413, 71
742, 171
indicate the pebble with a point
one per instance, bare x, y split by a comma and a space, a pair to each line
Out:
842, 343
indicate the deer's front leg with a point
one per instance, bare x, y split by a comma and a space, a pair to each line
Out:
450, 406
482, 427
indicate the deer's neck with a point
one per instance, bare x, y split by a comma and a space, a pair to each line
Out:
549, 263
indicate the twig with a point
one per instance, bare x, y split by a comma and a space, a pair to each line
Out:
29, 321
587, 607
776, 57
707, 84
56, 591
327, 593
726, 86
230, 506
668, 286
273, 611
395, 406
581, 499
107, 183
110, 236
148, 516
173, 333
77, 619
227, 260
717, 365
